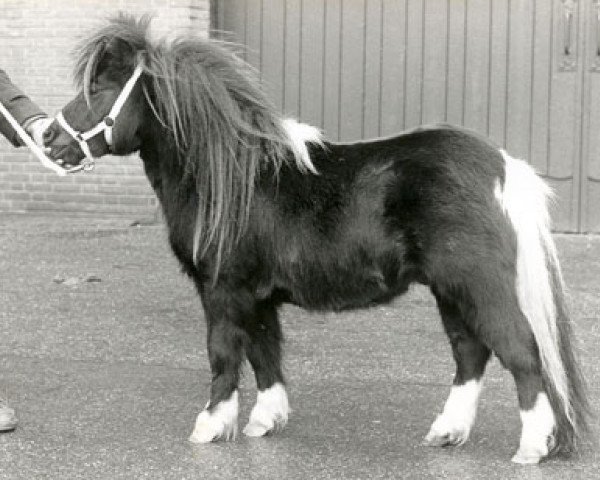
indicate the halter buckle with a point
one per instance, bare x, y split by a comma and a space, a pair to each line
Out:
88, 164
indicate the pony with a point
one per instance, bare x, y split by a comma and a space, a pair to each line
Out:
262, 210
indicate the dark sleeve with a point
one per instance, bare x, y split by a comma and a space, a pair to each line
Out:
19, 105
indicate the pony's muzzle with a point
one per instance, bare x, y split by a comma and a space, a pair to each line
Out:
64, 151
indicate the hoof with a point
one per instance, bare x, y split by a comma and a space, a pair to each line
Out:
218, 424
209, 429
270, 414
450, 439
260, 428
442, 434
526, 458
531, 454
255, 430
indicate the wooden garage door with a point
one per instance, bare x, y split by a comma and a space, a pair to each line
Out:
590, 55
510, 69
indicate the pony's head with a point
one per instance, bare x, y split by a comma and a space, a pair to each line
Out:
107, 115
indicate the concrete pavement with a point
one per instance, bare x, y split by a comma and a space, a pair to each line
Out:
107, 377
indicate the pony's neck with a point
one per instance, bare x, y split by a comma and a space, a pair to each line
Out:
165, 172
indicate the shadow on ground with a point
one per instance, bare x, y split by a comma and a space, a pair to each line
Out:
108, 376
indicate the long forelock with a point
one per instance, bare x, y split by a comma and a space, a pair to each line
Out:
125, 28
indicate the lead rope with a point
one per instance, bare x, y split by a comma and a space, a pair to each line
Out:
27, 140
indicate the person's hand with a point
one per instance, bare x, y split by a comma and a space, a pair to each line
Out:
37, 128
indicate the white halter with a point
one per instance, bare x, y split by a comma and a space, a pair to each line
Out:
105, 125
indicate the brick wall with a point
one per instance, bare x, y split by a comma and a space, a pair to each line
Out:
37, 38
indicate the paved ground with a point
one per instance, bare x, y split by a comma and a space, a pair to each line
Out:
109, 376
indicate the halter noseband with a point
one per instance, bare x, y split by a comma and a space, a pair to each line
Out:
104, 126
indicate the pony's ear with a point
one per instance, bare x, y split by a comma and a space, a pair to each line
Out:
121, 55
90, 69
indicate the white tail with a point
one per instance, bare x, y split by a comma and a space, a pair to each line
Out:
524, 199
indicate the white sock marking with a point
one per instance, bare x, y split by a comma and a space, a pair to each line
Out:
270, 412
454, 425
221, 423
537, 435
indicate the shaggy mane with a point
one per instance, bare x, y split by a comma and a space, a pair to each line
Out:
211, 104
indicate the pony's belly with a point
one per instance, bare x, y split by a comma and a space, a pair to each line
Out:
342, 293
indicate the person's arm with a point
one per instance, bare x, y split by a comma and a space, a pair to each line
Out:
33, 119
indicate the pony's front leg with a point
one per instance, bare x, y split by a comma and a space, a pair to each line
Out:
226, 341
271, 411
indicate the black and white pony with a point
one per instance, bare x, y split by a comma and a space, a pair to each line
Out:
262, 210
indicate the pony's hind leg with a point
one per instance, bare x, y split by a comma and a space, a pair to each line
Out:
270, 413
501, 325
453, 425
226, 341
510, 337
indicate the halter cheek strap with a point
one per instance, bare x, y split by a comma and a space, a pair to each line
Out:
105, 125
